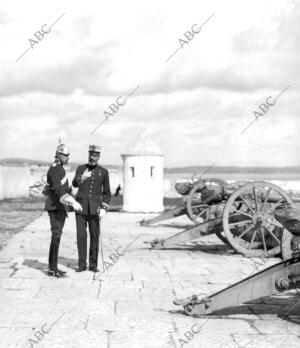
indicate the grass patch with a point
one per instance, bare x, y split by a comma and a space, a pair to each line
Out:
16, 213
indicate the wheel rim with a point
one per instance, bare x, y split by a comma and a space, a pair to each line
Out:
248, 219
221, 236
198, 211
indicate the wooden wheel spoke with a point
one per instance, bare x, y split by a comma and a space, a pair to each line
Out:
266, 199
244, 232
272, 234
242, 212
252, 239
263, 238
239, 223
246, 203
255, 198
275, 205
202, 212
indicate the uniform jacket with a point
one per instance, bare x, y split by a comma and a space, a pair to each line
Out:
58, 186
94, 192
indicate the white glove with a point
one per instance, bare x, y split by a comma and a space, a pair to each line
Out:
77, 206
69, 200
85, 175
102, 213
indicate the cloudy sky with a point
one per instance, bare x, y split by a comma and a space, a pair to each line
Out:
194, 105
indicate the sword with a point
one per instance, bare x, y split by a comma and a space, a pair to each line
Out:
101, 246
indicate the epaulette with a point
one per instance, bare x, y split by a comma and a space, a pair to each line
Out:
54, 164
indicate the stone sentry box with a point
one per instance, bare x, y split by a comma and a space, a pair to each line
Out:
143, 177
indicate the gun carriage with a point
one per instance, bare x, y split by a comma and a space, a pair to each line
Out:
191, 204
284, 276
241, 215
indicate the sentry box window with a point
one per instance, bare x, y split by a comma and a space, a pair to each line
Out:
152, 171
132, 172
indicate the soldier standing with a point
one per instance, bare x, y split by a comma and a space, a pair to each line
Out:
58, 188
94, 195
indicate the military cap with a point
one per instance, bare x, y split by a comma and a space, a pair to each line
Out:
94, 148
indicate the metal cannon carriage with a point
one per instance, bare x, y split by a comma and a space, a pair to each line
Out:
240, 214
276, 279
191, 203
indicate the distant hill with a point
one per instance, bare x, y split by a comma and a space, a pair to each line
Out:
189, 169
20, 162
232, 169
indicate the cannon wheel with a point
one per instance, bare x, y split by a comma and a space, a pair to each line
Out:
255, 231
198, 211
221, 235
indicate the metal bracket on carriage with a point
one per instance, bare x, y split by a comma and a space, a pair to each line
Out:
156, 243
191, 300
275, 279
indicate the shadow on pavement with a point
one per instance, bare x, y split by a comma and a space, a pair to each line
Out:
220, 249
67, 262
35, 264
285, 308
43, 267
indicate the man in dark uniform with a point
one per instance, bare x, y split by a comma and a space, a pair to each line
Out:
94, 196
58, 188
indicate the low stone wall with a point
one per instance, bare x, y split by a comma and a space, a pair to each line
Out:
14, 182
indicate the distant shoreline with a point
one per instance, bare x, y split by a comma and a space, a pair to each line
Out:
232, 170
170, 170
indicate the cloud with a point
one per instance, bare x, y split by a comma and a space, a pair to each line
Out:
195, 106
89, 72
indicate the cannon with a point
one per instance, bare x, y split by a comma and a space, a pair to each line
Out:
191, 203
241, 215
278, 278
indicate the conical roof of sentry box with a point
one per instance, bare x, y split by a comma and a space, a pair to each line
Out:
143, 146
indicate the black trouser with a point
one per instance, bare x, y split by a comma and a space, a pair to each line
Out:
57, 221
94, 229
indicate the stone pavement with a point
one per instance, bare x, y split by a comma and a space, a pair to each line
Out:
130, 304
